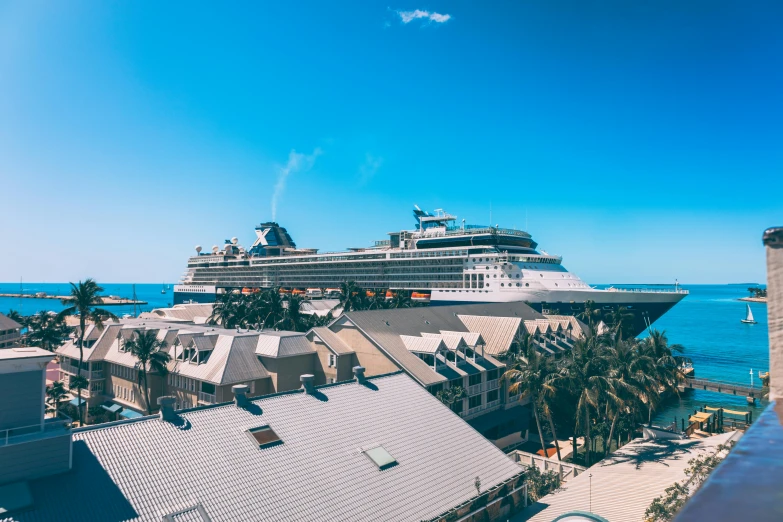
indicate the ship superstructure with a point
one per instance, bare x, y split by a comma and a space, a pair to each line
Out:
441, 261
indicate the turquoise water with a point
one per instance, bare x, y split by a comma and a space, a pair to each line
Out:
144, 292
707, 323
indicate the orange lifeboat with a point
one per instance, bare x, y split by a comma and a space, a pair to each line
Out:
369, 293
284, 291
390, 294
298, 291
423, 297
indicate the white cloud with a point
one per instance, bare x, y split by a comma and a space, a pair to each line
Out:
297, 162
370, 166
409, 16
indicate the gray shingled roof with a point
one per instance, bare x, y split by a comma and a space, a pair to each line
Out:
384, 327
144, 469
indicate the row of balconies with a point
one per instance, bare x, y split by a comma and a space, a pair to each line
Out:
483, 387
491, 405
89, 375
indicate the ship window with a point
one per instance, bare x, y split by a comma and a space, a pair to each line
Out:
517, 276
495, 275
542, 275
527, 284
501, 284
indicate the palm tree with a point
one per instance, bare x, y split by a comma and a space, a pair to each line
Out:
293, 319
46, 331
56, 392
378, 300
401, 299
270, 308
632, 375
667, 371
352, 297
16, 316
590, 313
224, 312
82, 302
78, 382
529, 374
619, 319
585, 373
151, 357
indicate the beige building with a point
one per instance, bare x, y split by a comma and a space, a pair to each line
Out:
10, 332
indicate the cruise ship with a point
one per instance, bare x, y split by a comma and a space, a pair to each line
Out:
439, 261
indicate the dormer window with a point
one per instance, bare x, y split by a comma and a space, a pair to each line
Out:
332, 360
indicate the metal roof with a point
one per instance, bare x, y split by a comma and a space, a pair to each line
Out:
498, 332
6, 323
283, 344
332, 340
423, 344
384, 328
648, 466
145, 469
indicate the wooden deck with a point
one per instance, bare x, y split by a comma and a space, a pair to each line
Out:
723, 387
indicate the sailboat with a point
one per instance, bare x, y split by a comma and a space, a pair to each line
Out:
163, 290
749, 317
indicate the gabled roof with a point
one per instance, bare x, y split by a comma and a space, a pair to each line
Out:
98, 351
423, 344
144, 469
498, 332
232, 361
384, 328
332, 340
472, 339
6, 323
453, 341
283, 344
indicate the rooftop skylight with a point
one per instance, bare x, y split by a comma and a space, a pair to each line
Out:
381, 457
264, 436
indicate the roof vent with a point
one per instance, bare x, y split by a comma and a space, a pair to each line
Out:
166, 404
358, 371
240, 392
307, 383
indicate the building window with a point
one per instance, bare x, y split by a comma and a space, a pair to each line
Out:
474, 379
332, 360
474, 402
492, 375
264, 436
330, 380
492, 396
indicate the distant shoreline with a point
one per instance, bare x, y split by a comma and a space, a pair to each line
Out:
762, 300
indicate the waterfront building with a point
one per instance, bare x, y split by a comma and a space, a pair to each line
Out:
439, 262
448, 347
10, 332
206, 361
377, 448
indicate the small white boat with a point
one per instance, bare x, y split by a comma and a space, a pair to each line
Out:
749, 317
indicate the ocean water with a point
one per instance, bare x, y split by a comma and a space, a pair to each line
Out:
27, 306
706, 323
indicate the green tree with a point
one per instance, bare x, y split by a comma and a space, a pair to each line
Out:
352, 298
378, 300
293, 318
151, 357
450, 396
83, 301
55, 392
620, 319
225, 311
590, 314
401, 299
540, 484
586, 374
46, 331
529, 375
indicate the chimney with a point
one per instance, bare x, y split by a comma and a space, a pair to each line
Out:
358, 372
307, 383
773, 240
166, 404
240, 395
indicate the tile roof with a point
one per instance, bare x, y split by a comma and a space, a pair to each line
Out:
6, 323
232, 361
144, 469
332, 340
650, 466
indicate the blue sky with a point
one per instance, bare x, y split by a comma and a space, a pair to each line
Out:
642, 140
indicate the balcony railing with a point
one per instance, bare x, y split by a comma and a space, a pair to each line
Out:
493, 385
475, 389
478, 410
51, 427
207, 398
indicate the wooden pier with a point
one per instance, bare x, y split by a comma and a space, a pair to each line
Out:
723, 387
